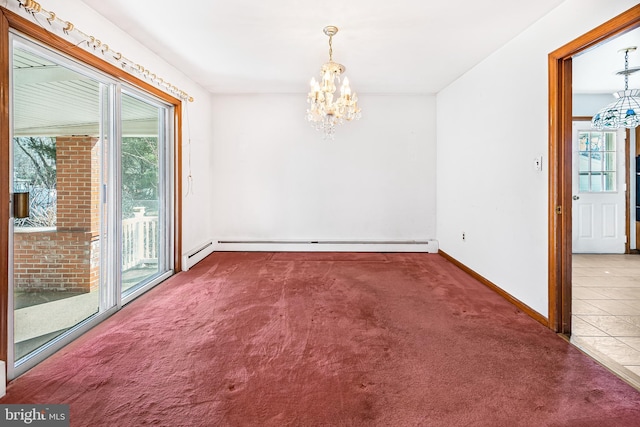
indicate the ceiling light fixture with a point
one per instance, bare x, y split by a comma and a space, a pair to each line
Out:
625, 111
325, 112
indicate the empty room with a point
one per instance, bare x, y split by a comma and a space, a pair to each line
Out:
251, 213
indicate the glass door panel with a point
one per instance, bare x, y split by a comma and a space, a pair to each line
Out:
57, 156
142, 149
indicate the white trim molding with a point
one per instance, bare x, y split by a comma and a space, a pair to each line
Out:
429, 245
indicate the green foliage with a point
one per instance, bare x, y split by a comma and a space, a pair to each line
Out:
139, 172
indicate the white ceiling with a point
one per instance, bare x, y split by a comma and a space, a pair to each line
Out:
276, 46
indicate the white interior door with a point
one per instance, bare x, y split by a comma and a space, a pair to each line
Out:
598, 190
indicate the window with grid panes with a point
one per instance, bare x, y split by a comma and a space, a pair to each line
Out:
597, 156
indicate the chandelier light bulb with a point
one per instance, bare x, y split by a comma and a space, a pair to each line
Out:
345, 90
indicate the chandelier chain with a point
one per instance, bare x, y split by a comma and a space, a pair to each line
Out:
330, 48
626, 68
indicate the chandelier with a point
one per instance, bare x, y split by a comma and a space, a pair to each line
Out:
325, 112
625, 111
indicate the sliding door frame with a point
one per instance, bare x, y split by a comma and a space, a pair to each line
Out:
10, 20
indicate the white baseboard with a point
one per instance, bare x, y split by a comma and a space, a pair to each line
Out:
197, 254
429, 246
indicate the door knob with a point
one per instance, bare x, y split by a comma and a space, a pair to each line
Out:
576, 197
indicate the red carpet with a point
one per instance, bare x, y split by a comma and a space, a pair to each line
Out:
325, 339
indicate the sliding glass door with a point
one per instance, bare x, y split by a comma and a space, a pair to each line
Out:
91, 181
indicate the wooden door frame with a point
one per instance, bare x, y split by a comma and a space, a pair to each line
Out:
560, 167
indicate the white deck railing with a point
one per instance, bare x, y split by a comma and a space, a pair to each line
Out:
139, 240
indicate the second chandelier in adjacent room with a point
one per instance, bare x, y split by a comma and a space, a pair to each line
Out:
625, 111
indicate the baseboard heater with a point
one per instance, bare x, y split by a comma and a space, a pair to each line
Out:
196, 255
430, 246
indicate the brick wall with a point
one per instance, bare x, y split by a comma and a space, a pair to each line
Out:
52, 260
67, 258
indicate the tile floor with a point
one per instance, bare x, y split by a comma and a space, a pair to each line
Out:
606, 310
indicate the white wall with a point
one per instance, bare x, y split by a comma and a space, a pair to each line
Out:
491, 124
275, 178
196, 115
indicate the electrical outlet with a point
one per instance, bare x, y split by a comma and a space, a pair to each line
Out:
464, 236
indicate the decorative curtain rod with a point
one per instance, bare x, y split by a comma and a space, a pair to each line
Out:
32, 7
